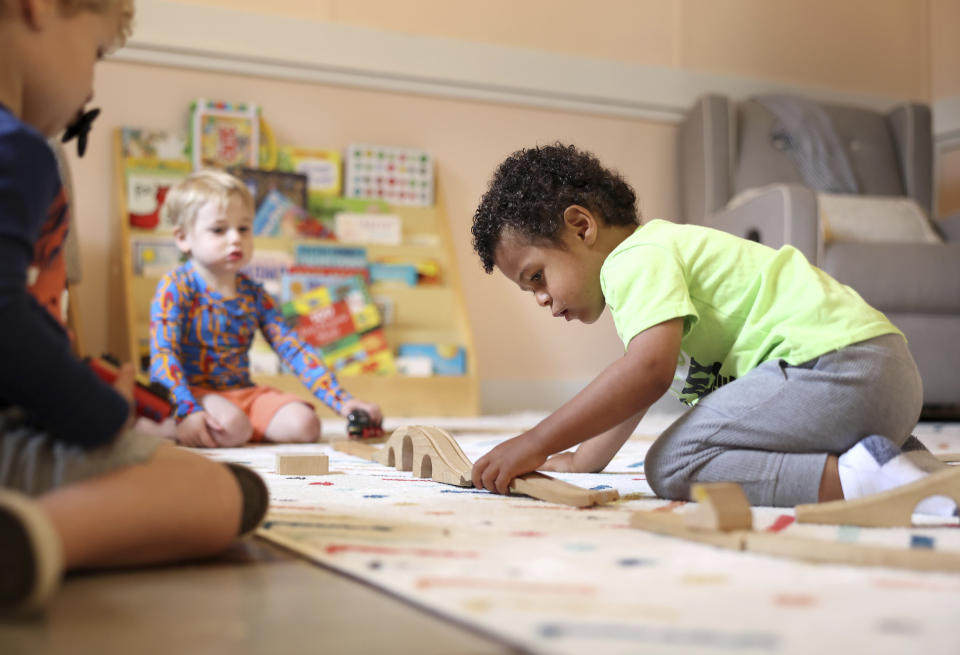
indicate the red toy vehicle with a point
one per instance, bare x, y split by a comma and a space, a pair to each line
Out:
360, 426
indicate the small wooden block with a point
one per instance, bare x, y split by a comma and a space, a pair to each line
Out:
303, 464
720, 506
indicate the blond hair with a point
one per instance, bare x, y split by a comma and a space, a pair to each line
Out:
124, 9
184, 200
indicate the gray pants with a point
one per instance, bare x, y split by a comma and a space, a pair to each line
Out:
772, 429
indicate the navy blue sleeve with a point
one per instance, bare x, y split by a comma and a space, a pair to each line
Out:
39, 373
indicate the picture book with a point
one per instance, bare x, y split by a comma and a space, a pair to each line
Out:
224, 134
292, 186
398, 176
312, 254
154, 256
343, 323
300, 279
148, 182
447, 359
144, 144
276, 215
368, 228
268, 268
321, 167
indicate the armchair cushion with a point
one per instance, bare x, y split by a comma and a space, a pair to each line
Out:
845, 217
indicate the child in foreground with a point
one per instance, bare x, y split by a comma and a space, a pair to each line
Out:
203, 319
79, 489
801, 392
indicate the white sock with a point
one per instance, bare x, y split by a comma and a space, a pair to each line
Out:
875, 464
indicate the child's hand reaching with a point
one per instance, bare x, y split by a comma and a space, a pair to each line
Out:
497, 469
194, 431
370, 408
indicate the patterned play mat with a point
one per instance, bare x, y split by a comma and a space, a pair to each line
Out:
554, 579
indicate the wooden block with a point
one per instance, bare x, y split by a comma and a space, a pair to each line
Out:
890, 508
302, 464
720, 506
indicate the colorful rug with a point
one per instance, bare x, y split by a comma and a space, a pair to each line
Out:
553, 579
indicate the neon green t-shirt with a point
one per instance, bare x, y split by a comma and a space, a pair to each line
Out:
743, 303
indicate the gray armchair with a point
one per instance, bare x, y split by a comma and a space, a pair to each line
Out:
725, 148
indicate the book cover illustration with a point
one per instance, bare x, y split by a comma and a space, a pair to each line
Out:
447, 359
312, 254
292, 186
154, 256
398, 176
137, 143
343, 323
148, 182
321, 168
224, 134
268, 268
300, 279
383, 229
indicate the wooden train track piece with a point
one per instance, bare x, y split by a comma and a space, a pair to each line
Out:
720, 507
948, 457
891, 508
431, 452
355, 448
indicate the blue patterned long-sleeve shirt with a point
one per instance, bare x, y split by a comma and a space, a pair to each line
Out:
199, 338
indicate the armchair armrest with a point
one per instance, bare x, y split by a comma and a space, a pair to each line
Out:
949, 228
777, 215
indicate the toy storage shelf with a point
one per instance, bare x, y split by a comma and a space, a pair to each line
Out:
434, 313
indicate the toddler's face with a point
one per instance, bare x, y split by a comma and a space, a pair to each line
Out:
59, 73
221, 238
564, 279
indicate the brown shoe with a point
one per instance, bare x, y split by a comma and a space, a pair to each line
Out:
31, 555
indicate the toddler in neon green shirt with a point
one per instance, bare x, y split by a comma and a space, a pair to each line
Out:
800, 391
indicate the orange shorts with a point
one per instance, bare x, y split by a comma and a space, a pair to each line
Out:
260, 404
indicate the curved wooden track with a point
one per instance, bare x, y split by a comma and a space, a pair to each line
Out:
431, 452
890, 508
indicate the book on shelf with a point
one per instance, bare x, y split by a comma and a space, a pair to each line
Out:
320, 166
154, 255
224, 134
446, 359
342, 322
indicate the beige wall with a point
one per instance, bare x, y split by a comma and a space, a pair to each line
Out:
515, 338
865, 46
945, 48
883, 47
945, 81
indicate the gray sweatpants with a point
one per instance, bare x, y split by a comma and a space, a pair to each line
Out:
772, 429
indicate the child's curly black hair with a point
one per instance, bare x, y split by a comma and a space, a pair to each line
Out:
531, 189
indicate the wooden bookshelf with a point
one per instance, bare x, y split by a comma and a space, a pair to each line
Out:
434, 313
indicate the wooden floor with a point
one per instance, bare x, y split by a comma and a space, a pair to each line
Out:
253, 599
